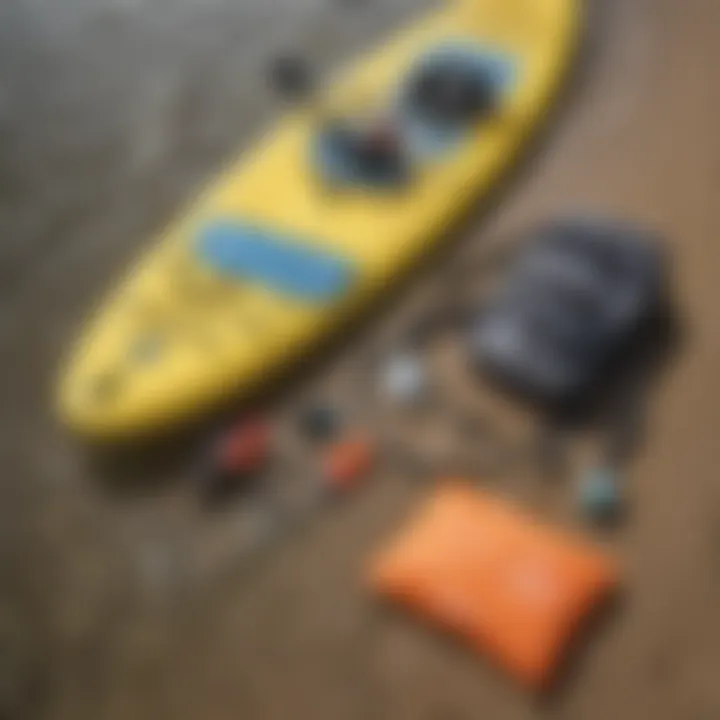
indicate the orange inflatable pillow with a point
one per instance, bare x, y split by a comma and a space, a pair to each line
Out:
480, 567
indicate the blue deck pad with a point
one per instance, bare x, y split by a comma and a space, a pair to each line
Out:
289, 266
427, 140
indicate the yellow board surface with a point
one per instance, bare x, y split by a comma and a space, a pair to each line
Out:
177, 337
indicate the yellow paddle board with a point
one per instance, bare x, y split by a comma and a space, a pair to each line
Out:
320, 218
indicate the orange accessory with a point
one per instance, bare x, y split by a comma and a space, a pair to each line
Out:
510, 585
347, 462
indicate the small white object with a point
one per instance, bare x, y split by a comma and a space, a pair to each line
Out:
404, 379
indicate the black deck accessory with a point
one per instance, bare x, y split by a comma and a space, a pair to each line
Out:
577, 295
449, 91
363, 151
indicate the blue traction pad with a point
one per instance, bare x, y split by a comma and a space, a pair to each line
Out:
278, 262
430, 140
